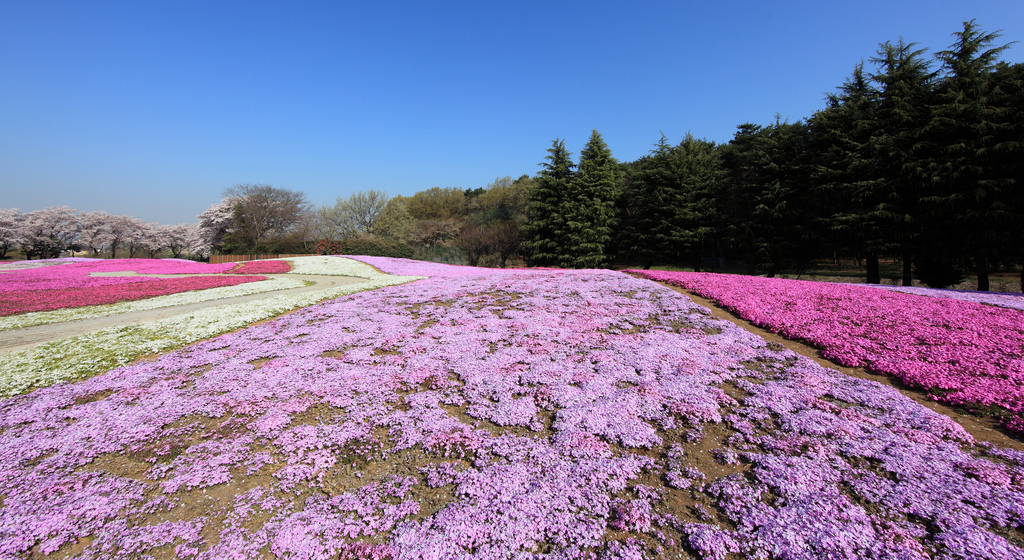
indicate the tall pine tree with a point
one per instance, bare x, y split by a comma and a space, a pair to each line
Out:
545, 224
968, 131
588, 212
846, 172
899, 148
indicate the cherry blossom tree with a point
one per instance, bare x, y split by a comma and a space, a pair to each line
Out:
175, 238
96, 231
135, 236
121, 227
48, 232
10, 220
154, 239
214, 224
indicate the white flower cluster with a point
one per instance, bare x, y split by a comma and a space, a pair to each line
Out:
158, 302
332, 266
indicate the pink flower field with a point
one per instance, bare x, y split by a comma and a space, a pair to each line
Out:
480, 413
72, 285
963, 352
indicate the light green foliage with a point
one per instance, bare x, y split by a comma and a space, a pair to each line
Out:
437, 204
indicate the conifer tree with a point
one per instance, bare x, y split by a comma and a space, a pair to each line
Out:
768, 190
846, 170
899, 146
543, 230
588, 210
650, 229
967, 129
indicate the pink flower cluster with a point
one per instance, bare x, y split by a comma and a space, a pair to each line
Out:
72, 285
510, 414
964, 353
262, 267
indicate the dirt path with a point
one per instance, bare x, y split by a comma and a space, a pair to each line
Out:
983, 429
19, 339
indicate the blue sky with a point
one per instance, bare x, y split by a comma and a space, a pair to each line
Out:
153, 108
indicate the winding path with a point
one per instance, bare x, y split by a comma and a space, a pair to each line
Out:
20, 339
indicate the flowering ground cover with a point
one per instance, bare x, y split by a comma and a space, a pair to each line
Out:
261, 267
183, 298
87, 273
506, 414
83, 356
964, 353
13, 302
21, 265
1012, 301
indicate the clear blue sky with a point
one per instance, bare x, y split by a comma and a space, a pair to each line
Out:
152, 108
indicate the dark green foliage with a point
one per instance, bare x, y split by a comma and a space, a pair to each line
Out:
543, 230
970, 129
772, 205
899, 147
903, 162
1009, 80
672, 210
846, 173
938, 269
588, 209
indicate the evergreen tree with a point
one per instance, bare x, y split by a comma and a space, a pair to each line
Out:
899, 147
699, 175
650, 228
967, 131
543, 230
1009, 92
588, 210
772, 205
846, 173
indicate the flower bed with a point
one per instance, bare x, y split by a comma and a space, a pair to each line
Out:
261, 267
27, 301
80, 273
83, 356
965, 353
183, 298
511, 414
332, 266
1011, 301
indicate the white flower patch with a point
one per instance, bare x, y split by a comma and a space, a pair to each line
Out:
83, 356
332, 266
170, 300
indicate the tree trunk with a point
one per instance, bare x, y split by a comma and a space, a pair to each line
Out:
874, 276
908, 274
982, 270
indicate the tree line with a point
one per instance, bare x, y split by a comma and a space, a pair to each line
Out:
907, 160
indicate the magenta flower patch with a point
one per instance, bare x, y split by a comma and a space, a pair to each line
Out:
965, 353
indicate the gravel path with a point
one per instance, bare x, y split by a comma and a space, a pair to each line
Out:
19, 339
